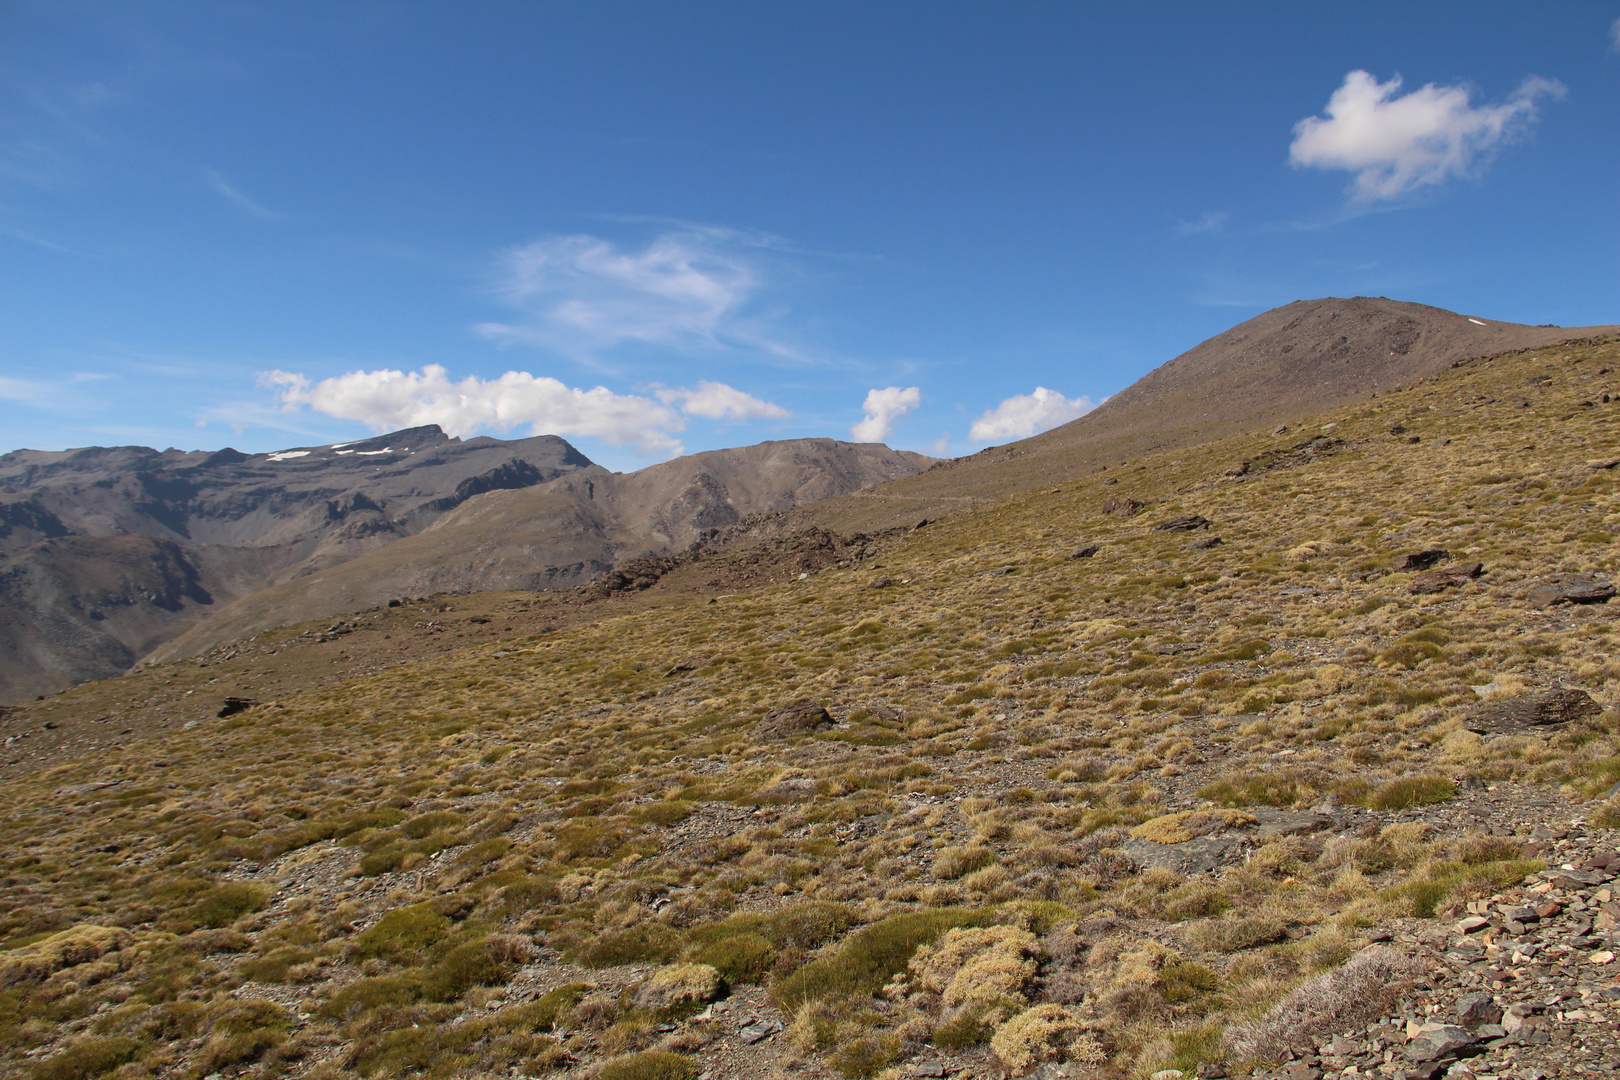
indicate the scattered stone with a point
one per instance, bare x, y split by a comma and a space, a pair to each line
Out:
881, 582
1279, 823
1435, 1041
1472, 924
1421, 560
1183, 524
1435, 581
85, 789
1570, 589
1477, 1010
1086, 552
234, 705
760, 1030
1533, 710
1122, 507
689, 663
1206, 544
789, 720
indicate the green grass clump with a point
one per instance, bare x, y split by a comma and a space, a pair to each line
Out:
1438, 884
272, 966
242, 1032
224, 904
649, 1065
1183, 981
402, 934
741, 958
866, 1055
85, 1057
542, 1013
644, 943
1250, 649
870, 957
1265, 789
1409, 791
962, 1031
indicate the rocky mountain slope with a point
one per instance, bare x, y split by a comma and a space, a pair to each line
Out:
1289, 754
1289, 362
566, 532
107, 553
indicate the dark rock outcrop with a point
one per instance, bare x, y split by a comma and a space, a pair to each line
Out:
799, 718
1534, 710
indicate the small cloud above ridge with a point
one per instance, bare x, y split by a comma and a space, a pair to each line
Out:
1023, 415
388, 400
882, 408
717, 401
1395, 143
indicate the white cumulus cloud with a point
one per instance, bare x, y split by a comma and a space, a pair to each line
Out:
1023, 415
717, 401
686, 290
1396, 142
387, 400
882, 408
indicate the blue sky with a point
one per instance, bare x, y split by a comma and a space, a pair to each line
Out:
656, 228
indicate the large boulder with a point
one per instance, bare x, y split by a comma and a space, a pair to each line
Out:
1571, 589
1533, 710
799, 718
1183, 524
1434, 581
1420, 560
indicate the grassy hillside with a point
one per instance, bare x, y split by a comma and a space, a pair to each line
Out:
1111, 807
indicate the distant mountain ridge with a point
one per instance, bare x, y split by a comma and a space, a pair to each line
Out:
108, 552
390, 486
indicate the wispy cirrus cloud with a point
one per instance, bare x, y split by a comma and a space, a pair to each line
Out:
692, 290
1614, 37
1395, 143
388, 400
1208, 222
47, 393
235, 197
1023, 415
882, 408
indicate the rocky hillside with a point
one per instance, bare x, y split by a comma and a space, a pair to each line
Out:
1291, 362
1292, 754
107, 553
566, 532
